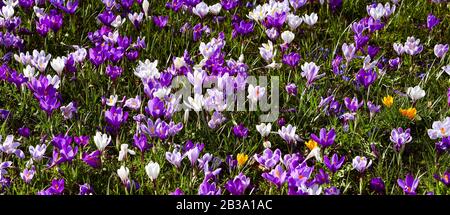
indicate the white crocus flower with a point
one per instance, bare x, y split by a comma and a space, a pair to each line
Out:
310, 19
415, 93
255, 93
101, 140
7, 12
294, 21
267, 51
377, 12
54, 80
123, 173
112, 100
162, 92
287, 36
348, 51
118, 21
29, 72
152, 169
195, 103
58, 64
264, 129
124, 151
215, 9
145, 6
201, 9
147, 69
446, 69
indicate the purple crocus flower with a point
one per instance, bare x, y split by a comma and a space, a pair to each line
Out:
26, 4
238, 185
175, 158
325, 138
177, 192
193, 153
394, 63
373, 108
240, 131
366, 78
299, 175
81, 140
275, 21
140, 142
207, 188
277, 176
269, 158
92, 159
229, 4
291, 89
443, 145
160, 21
113, 72
444, 179
86, 189
242, 27
335, 163
216, 120
400, 137
292, 59
321, 178
377, 185
296, 4
332, 190
310, 72
440, 50
360, 41
361, 163
115, 117
336, 63
372, 51
155, 108
106, 17
231, 162
432, 21
57, 186
24, 132
409, 185
28, 174
352, 104
281, 121
197, 31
